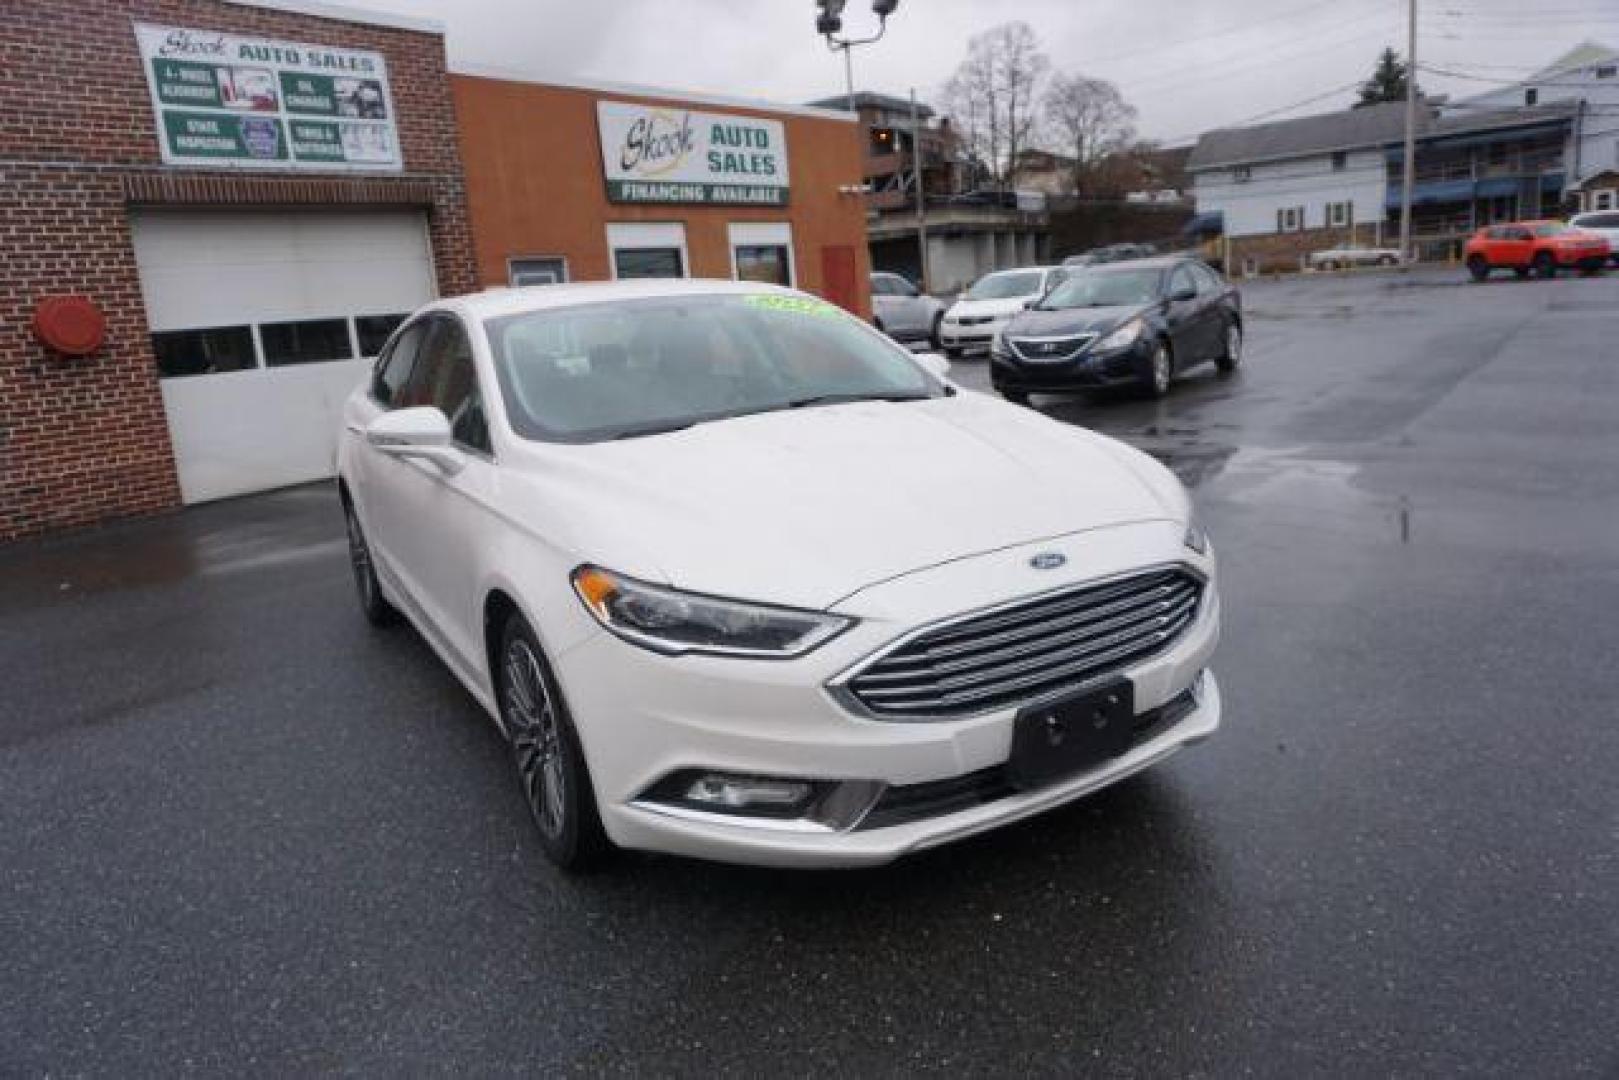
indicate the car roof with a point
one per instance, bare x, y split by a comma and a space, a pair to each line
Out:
511, 300
1150, 262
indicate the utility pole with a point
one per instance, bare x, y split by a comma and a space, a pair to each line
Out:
921, 193
1410, 162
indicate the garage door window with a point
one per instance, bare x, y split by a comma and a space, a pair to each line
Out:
204, 352
308, 342
371, 331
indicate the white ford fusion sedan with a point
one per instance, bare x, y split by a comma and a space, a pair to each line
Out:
739, 578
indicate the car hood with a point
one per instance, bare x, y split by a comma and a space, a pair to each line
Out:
1097, 320
804, 507
972, 308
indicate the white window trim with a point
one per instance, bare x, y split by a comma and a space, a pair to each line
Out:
513, 260
646, 234
763, 234
1341, 215
1604, 199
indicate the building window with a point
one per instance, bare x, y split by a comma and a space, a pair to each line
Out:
632, 263
647, 249
1607, 71
1340, 214
543, 270
1340, 161
1289, 218
1606, 199
762, 251
204, 352
763, 262
1242, 174
1531, 96
371, 331
310, 341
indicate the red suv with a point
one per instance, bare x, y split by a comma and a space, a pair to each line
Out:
1541, 246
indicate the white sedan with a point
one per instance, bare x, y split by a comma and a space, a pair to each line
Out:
1339, 258
739, 578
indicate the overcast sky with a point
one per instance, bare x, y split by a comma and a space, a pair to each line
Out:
1188, 65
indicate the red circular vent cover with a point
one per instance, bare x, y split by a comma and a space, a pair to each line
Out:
70, 324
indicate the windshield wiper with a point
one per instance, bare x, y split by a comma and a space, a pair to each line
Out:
838, 399
654, 429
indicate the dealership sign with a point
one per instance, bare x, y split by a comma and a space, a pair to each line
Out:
660, 154
259, 103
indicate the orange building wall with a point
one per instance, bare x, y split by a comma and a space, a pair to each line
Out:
533, 167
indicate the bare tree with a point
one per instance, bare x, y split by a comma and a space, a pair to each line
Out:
1089, 121
993, 95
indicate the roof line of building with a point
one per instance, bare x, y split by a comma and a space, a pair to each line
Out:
365, 16
661, 93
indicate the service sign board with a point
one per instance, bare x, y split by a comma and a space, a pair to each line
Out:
663, 154
223, 100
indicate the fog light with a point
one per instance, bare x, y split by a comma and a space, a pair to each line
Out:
747, 792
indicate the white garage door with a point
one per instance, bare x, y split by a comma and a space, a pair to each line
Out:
262, 322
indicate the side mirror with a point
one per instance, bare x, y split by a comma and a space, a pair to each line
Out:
422, 432
936, 364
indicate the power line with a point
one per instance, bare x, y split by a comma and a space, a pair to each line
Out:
1156, 87
1273, 112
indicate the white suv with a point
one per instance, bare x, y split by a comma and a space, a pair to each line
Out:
740, 578
1605, 223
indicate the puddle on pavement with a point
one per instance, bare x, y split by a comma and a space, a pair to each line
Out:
203, 542
1286, 482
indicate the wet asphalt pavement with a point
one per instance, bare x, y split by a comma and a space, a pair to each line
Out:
240, 831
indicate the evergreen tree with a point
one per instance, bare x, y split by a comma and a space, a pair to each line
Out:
1387, 82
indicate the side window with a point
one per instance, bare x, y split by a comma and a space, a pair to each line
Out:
1181, 280
1055, 278
1208, 281
880, 285
1520, 234
395, 366
449, 381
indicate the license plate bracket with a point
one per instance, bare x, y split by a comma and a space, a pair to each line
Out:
1069, 735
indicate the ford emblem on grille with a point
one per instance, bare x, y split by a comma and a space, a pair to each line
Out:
1048, 560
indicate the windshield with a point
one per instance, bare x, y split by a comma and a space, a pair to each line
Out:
1104, 288
1550, 229
1005, 286
638, 367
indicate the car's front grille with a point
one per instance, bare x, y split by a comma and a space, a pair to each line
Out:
1027, 650
1050, 348
974, 320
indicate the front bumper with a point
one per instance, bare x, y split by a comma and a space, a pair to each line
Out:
971, 338
642, 717
1085, 372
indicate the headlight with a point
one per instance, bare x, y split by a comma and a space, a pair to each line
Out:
670, 621
997, 344
1124, 335
1196, 538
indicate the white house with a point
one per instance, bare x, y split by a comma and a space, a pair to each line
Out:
1293, 186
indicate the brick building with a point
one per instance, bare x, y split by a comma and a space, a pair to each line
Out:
214, 212
203, 172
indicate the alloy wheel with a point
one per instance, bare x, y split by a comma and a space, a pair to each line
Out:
536, 737
1160, 371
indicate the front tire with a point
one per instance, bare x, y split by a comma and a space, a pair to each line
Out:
1545, 266
545, 748
1160, 373
1227, 362
375, 606
1478, 267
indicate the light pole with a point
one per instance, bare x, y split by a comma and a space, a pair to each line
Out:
830, 22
